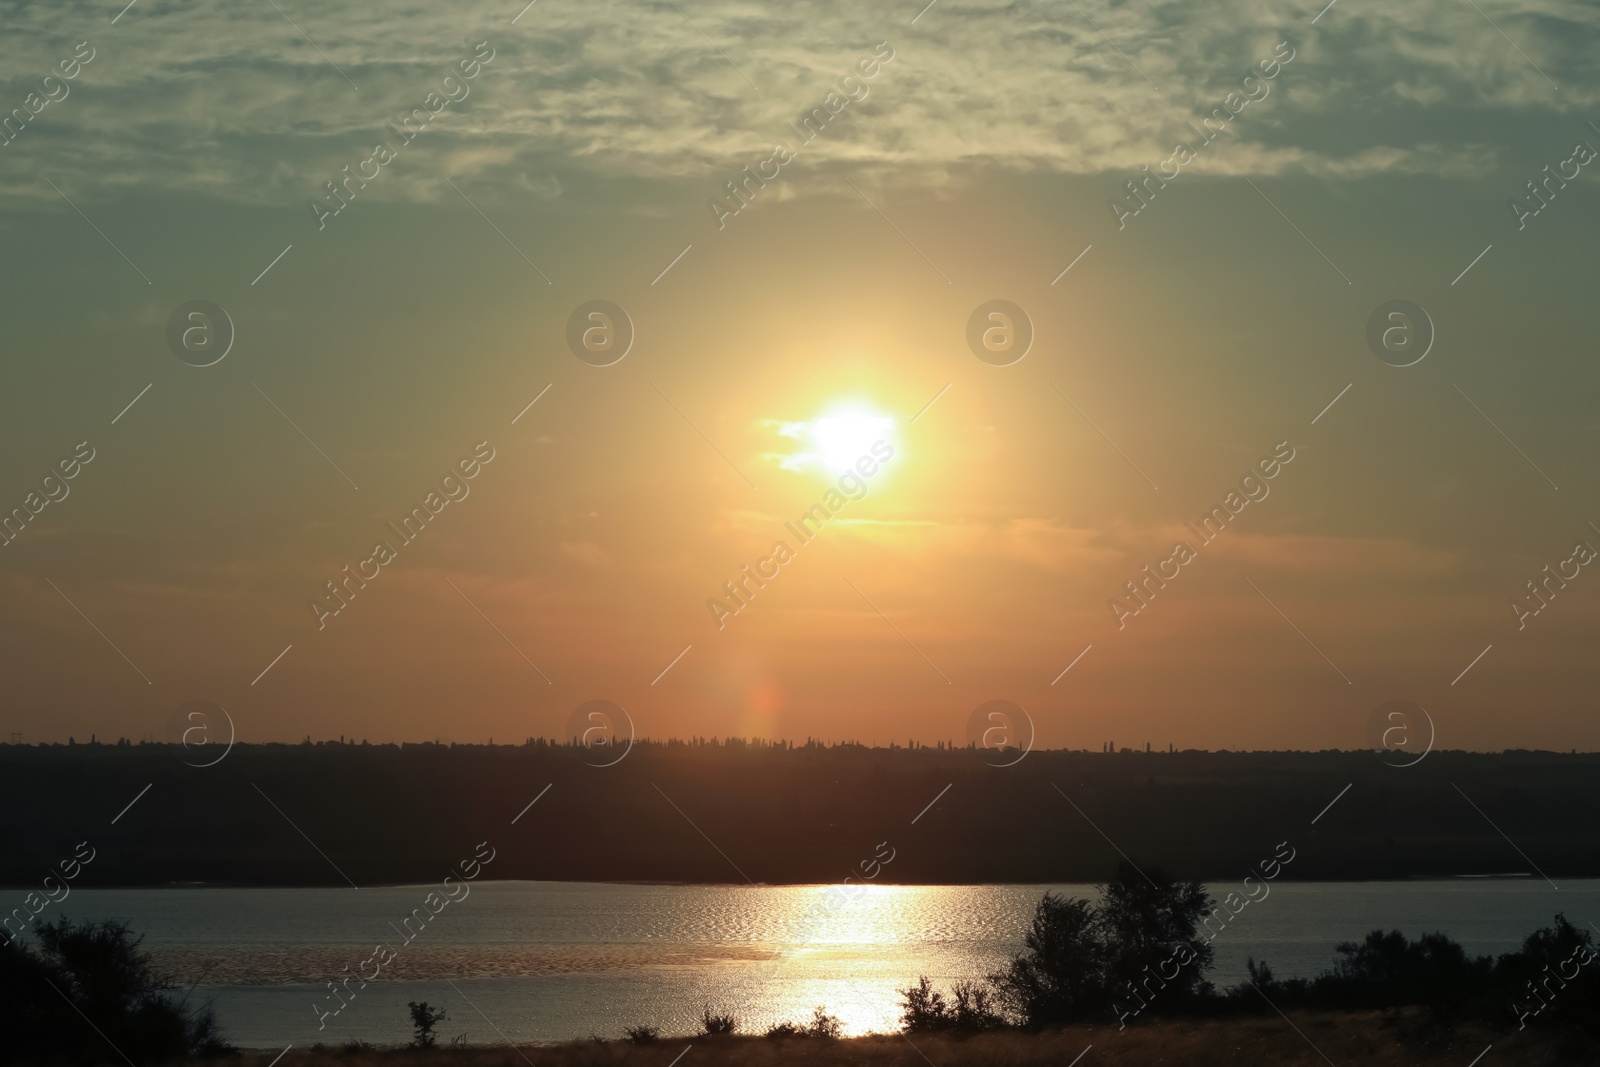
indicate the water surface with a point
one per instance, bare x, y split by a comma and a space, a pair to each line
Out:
550, 961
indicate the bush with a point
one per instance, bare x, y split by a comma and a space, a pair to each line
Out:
824, 1025
974, 1008
821, 1025
423, 1020
1386, 970
89, 995
717, 1025
642, 1035
971, 1011
925, 1009
1540, 975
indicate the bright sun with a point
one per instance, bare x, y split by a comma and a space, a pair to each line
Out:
843, 436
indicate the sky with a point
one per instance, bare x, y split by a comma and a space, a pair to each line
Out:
1204, 303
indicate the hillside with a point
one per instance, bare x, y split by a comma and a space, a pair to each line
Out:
727, 813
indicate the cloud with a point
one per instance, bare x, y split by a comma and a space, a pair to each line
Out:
234, 102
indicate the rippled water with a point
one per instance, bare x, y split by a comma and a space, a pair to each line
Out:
548, 961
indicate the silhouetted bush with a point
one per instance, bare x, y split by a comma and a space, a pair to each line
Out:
642, 1035
970, 1011
974, 1008
824, 1025
821, 1025
89, 995
925, 1009
717, 1025
423, 1020
1385, 970
1552, 974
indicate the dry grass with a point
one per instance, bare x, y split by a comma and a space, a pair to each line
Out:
1340, 1040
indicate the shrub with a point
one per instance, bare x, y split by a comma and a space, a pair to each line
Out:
718, 1025
925, 1009
89, 995
1540, 975
642, 1035
423, 1020
971, 1011
823, 1025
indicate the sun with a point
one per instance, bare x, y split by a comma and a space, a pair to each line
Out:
843, 438
835, 440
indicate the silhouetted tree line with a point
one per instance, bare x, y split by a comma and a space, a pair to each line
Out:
1548, 981
89, 995
395, 814
1136, 953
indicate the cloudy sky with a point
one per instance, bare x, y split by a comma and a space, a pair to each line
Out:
1184, 330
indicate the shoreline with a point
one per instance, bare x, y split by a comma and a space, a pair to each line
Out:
1510, 876
805, 815
1301, 1039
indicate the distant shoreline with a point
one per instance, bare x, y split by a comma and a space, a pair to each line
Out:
730, 814
761, 885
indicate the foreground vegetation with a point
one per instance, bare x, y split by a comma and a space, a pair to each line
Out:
1346, 1039
1142, 950
88, 992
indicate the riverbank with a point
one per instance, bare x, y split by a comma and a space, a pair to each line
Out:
781, 815
1307, 1039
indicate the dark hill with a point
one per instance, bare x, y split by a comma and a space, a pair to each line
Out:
387, 814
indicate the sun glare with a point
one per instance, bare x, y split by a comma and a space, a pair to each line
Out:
835, 441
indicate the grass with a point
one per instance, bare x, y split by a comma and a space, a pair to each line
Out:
1340, 1039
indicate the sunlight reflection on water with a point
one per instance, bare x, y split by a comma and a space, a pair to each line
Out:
552, 961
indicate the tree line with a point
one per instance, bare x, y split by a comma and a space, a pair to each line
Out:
1138, 953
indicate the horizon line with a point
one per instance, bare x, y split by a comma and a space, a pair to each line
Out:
771, 744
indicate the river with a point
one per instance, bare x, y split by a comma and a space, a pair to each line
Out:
551, 961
